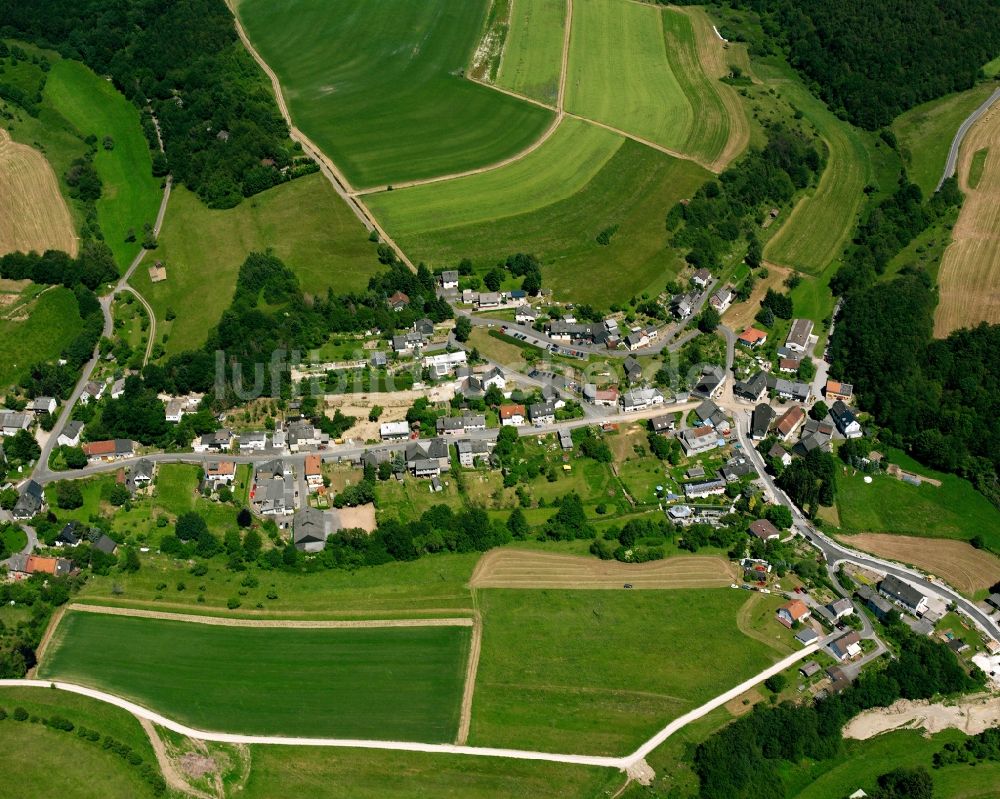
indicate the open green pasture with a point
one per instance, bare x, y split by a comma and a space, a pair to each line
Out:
303, 222
379, 85
130, 195
601, 671
822, 221
633, 190
388, 683
925, 133
532, 56
37, 332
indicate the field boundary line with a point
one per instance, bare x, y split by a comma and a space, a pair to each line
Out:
48, 634
300, 624
471, 670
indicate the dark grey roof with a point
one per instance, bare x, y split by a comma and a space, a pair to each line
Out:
761, 420
751, 388
900, 591
99, 540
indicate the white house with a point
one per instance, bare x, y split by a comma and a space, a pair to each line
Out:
70, 435
394, 431
525, 315
449, 279
445, 363
42, 405
512, 415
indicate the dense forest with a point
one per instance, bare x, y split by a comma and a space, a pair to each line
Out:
223, 135
870, 61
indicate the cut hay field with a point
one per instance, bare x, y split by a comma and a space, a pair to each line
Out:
822, 221
633, 190
925, 133
969, 278
130, 195
36, 330
379, 85
532, 56
601, 671
520, 568
637, 68
33, 213
961, 565
304, 222
385, 683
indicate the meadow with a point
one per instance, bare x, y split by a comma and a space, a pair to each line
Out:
387, 683
601, 671
977, 167
130, 195
532, 56
37, 331
379, 86
304, 222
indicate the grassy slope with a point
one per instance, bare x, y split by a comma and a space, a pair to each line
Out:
926, 131
366, 683
532, 57
888, 505
822, 222
304, 222
977, 167
564, 670
634, 190
342, 774
378, 85
53, 321
131, 195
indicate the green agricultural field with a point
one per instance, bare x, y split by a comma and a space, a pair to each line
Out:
304, 222
925, 133
131, 195
379, 85
601, 671
633, 190
992, 69
387, 683
888, 505
977, 166
36, 331
821, 223
354, 774
532, 56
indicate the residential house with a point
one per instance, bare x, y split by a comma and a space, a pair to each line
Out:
710, 383
764, 530
488, 299
840, 608
683, 305
793, 611
252, 442
273, 491
903, 594
607, 397
815, 435
93, 391
875, 602
799, 335
70, 535
704, 489
789, 422
847, 646
26, 565
219, 441
406, 343
760, 421
70, 435
789, 365
752, 338
311, 528
782, 454
662, 424
219, 473
313, 472
472, 451
303, 436
789, 389
699, 439
118, 388
424, 327
428, 458
638, 399
701, 278
542, 413
394, 431
449, 279
845, 420
512, 415
633, 370
711, 414
994, 601
102, 542
379, 359
445, 363
140, 475
722, 299
30, 501
11, 422
525, 315
561, 330
459, 425
753, 389
839, 682
109, 450
494, 377
809, 668
566, 440
175, 409
399, 301
835, 390
736, 468
42, 405
807, 636
636, 341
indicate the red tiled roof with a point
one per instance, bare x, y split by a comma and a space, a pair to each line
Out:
752, 335
509, 411
99, 448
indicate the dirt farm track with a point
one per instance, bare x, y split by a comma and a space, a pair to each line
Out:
512, 568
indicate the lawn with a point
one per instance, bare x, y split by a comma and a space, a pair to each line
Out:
388, 683
601, 671
36, 333
354, 774
633, 191
925, 133
379, 85
14, 539
532, 56
303, 222
130, 195
888, 505
977, 167
822, 221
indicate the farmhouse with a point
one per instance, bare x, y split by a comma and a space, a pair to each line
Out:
847, 423
302, 435
699, 439
815, 435
903, 594
109, 450
512, 415
70, 435
764, 530
793, 611
311, 528
11, 422
793, 390
42, 405
789, 421
798, 336
847, 646
835, 390
712, 415
752, 338
472, 451
428, 458
760, 421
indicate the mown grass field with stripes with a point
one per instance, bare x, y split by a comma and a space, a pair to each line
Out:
532, 57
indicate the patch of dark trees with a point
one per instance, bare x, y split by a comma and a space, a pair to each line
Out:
19, 639
223, 135
746, 759
730, 208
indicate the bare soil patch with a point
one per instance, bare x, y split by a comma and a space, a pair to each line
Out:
742, 314
972, 716
394, 407
513, 568
33, 214
362, 517
958, 563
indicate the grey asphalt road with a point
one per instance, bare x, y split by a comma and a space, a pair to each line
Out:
956, 144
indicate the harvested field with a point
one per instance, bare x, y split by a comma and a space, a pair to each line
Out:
33, 214
958, 563
972, 716
512, 568
969, 280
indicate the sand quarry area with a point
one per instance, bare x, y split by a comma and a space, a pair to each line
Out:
972, 716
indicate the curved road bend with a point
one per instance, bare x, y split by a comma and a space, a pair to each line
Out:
956, 144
